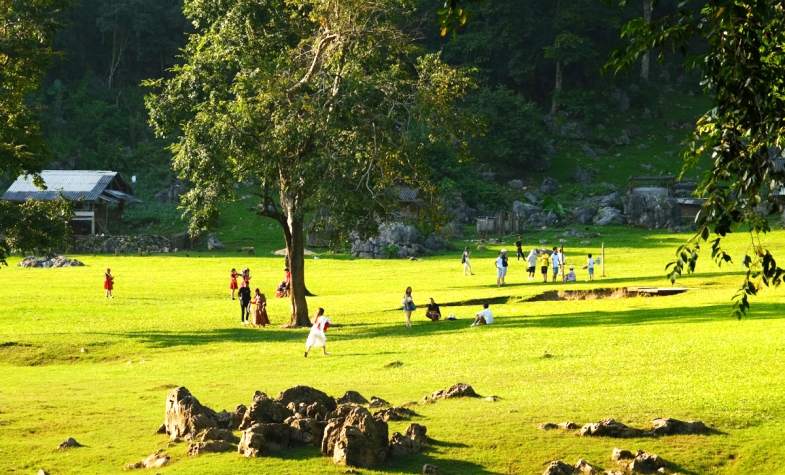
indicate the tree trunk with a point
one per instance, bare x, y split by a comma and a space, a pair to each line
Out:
294, 234
648, 6
557, 85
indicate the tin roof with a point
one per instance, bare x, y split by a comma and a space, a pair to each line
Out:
73, 185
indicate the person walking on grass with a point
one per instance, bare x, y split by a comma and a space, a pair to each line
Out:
531, 262
233, 281
501, 267
244, 295
317, 336
467, 266
545, 261
260, 317
483, 317
408, 306
555, 262
108, 283
519, 247
590, 267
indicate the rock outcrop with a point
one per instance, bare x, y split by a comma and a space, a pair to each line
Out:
185, 416
454, 391
357, 439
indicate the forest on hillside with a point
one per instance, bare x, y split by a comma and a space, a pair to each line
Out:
538, 63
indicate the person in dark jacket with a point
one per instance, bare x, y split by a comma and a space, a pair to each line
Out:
433, 312
244, 294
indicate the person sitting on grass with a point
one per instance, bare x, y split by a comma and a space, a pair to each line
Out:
483, 317
317, 337
545, 261
432, 312
570, 277
285, 286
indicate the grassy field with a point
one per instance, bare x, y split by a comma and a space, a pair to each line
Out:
172, 323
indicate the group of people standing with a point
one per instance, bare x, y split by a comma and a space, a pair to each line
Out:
553, 260
255, 304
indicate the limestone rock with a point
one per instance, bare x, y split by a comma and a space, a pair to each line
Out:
557, 467
610, 428
395, 414
185, 416
358, 440
306, 430
549, 186
263, 409
607, 216
352, 397
430, 469
378, 402
307, 395
210, 446
583, 467
263, 438
156, 460
645, 462
621, 454
412, 441
69, 443
213, 243
454, 391
669, 426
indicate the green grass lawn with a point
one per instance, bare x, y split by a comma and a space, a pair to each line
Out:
172, 323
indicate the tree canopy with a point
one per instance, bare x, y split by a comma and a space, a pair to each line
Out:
307, 104
743, 67
27, 28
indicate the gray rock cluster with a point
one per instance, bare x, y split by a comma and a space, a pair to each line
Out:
104, 244
626, 463
614, 429
396, 240
348, 433
54, 261
652, 207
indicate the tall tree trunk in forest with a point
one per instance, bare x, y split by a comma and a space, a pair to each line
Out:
557, 86
648, 6
294, 234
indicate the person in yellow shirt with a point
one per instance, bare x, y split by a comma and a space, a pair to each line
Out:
545, 262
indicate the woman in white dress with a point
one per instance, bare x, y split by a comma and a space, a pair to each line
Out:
317, 337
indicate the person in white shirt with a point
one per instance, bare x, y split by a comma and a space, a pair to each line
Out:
484, 317
501, 267
317, 336
467, 266
555, 262
590, 267
531, 262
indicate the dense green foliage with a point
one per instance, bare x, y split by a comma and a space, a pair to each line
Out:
26, 31
744, 134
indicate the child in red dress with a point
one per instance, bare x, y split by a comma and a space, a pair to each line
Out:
233, 281
108, 283
247, 277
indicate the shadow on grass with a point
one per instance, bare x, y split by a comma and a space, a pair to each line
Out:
411, 464
675, 315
